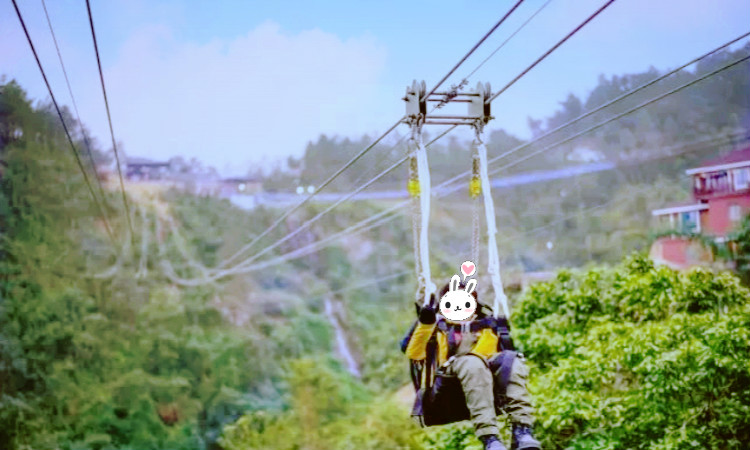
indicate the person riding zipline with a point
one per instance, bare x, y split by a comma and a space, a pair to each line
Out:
462, 372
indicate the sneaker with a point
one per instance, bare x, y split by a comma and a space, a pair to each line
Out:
523, 439
491, 442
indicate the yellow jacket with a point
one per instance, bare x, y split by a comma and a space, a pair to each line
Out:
485, 346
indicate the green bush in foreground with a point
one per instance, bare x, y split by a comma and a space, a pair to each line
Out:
328, 410
635, 357
639, 357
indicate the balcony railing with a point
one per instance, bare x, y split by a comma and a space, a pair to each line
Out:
720, 183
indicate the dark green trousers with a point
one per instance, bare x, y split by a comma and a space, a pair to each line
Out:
477, 381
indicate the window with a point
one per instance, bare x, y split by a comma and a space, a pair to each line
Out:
690, 222
741, 178
735, 213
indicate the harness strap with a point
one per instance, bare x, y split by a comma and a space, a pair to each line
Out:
493, 262
430, 361
423, 173
502, 329
473, 326
506, 365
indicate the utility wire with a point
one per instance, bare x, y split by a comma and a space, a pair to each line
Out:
525, 232
622, 114
549, 52
383, 214
65, 127
497, 49
557, 129
376, 220
367, 149
476, 46
443, 185
309, 197
631, 110
606, 105
109, 119
309, 222
75, 105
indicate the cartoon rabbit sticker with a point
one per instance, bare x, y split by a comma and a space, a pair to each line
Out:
458, 304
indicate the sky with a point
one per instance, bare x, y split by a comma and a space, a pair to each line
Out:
241, 84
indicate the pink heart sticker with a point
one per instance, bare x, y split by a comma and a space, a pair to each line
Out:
468, 268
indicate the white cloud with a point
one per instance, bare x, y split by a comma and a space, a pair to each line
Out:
262, 95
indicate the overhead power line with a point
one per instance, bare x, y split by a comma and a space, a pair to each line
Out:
309, 222
248, 268
622, 114
287, 213
499, 47
73, 100
383, 216
551, 50
473, 49
65, 127
109, 120
606, 104
309, 197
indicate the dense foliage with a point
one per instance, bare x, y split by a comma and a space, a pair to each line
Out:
639, 357
103, 345
98, 348
633, 357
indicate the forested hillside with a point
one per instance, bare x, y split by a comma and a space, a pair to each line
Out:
121, 342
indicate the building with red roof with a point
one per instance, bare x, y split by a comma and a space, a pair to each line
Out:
721, 198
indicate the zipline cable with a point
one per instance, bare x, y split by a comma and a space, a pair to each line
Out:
288, 212
246, 263
317, 217
631, 110
617, 99
534, 230
575, 30
605, 105
73, 100
362, 153
570, 122
313, 247
551, 50
65, 127
601, 107
109, 120
476, 46
465, 79
711, 142
383, 217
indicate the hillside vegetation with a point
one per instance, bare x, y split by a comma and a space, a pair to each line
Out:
115, 343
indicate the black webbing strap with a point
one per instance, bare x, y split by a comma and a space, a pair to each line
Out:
506, 364
430, 361
416, 373
502, 329
474, 326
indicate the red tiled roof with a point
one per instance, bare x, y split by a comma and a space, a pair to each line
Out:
729, 158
